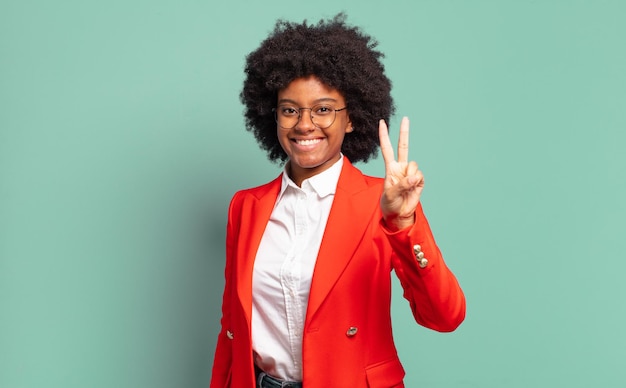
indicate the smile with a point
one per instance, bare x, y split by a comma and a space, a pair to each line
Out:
307, 142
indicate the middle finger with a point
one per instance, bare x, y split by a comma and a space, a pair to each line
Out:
403, 141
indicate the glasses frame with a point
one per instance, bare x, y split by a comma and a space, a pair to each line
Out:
275, 110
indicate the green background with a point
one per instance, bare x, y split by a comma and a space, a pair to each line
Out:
122, 141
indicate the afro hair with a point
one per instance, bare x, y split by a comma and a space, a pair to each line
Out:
339, 55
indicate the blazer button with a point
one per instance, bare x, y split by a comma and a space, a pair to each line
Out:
352, 331
419, 255
229, 334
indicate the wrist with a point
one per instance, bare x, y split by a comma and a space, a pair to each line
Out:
398, 222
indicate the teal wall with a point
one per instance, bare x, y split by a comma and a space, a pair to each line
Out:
122, 141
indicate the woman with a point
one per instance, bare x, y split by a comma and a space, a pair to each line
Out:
309, 255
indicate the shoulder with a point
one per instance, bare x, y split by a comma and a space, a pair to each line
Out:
352, 177
257, 192
373, 180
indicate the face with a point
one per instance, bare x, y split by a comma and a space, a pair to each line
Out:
311, 149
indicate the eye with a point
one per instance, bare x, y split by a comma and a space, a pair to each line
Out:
322, 110
288, 111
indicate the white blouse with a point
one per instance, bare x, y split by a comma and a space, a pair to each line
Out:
283, 270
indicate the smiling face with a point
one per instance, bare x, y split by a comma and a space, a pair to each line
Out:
310, 148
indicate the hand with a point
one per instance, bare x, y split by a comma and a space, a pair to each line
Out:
403, 180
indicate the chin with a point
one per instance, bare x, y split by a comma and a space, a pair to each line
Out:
308, 165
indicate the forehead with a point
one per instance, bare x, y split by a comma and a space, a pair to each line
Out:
306, 90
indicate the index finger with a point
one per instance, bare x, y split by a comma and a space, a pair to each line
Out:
403, 141
385, 144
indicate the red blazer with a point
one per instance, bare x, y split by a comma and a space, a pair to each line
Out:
347, 339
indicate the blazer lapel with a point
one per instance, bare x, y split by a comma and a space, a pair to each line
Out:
255, 214
352, 208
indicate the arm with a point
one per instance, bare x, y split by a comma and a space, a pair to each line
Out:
222, 361
432, 290
436, 299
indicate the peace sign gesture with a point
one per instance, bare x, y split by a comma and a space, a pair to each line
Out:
403, 180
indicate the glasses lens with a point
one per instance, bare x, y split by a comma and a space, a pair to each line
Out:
323, 116
287, 116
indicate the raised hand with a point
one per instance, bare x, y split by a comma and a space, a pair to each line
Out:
403, 180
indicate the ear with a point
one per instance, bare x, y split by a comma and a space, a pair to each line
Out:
349, 127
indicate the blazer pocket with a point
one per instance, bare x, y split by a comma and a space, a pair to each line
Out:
387, 374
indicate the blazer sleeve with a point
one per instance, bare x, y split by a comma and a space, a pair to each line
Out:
436, 299
222, 363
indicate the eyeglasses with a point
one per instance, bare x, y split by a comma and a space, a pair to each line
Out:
322, 116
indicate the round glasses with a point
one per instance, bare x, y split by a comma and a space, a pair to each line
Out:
322, 116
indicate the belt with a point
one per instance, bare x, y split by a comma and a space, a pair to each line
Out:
264, 380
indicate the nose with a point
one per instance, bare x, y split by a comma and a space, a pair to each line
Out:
305, 123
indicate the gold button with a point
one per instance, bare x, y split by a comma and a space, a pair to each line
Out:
229, 334
351, 331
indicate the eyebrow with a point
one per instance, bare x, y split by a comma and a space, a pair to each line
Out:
319, 100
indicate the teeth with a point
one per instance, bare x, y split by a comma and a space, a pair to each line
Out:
308, 142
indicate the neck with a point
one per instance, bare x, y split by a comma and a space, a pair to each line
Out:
299, 174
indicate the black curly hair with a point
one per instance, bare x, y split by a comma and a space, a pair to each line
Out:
342, 57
